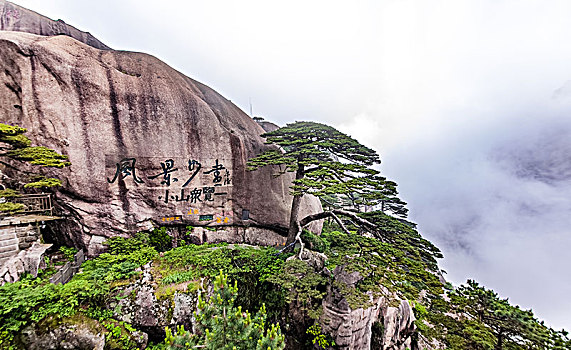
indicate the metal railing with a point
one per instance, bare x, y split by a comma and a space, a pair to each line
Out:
69, 269
36, 203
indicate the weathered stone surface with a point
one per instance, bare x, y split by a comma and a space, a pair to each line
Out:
17, 18
77, 332
34, 258
95, 246
314, 259
29, 260
268, 126
8, 244
399, 326
354, 328
64, 337
99, 107
150, 307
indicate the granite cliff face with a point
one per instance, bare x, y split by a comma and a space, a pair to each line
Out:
151, 146
147, 144
19, 19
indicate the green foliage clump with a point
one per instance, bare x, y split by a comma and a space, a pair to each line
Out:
16, 145
252, 267
9, 207
14, 135
122, 246
9, 193
68, 252
322, 341
222, 325
474, 317
32, 300
306, 287
380, 264
195, 261
43, 182
402, 235
160, 239
315, 242
40, 155
119, 335
111, 267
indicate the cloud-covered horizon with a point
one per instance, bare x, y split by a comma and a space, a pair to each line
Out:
498, 206
468, 103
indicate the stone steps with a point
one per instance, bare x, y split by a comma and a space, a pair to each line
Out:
8, 248
7, 236
9, 245
8, 242
9, 253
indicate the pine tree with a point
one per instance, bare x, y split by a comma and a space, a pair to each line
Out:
327, 163
222, 325
481, 311
15, 145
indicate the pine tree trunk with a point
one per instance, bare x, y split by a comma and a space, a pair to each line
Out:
500, 340
294, 214
293, 219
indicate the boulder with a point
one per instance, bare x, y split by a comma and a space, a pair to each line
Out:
267, 126
30, 261
148, 145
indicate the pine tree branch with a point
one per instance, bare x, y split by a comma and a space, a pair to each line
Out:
340, 223
322, 215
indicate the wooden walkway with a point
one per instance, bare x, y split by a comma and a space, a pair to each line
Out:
26, 219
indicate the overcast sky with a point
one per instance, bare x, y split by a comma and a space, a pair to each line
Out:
467, 103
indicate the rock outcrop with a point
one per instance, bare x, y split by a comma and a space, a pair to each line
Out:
19, 19
147, 144
151, 307
77, 332
30, 261
267, 126
378, 326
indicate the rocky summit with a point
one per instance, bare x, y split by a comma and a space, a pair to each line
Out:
147, 144
19, 19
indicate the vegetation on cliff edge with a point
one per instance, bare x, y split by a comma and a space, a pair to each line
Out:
16, 146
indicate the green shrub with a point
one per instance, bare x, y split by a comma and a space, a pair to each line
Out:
160, 239
222, 325
68, 253
33, 299
120, 245
315, 242
322, 341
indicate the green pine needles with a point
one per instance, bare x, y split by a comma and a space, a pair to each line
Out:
221, 325
330, 165
39, 155
326, 160
19, 147
15, 145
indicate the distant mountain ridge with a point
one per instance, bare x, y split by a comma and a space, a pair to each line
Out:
19, 19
